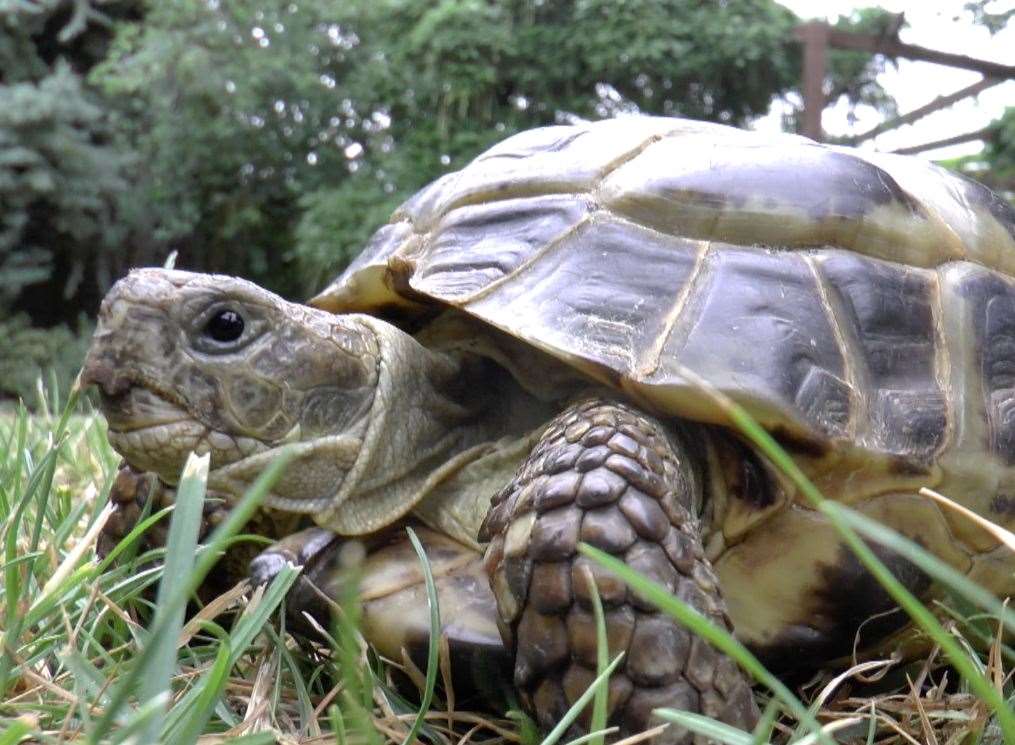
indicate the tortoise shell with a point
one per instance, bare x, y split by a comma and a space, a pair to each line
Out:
859, 305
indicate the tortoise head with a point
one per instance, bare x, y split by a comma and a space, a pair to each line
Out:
212, 364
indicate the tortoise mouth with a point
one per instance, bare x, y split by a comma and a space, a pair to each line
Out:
139, 407
154, 432
161, 448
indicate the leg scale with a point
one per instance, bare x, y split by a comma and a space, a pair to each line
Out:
607, 475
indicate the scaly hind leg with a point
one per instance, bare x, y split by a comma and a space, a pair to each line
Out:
606, 475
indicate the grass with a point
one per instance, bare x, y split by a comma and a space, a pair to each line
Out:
103, 652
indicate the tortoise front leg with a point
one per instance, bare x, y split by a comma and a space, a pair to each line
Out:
606, 475
131, 492
390, 588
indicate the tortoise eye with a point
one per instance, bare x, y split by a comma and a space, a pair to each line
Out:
225, 326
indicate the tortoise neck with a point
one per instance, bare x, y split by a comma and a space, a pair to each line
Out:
415, 423
440, 420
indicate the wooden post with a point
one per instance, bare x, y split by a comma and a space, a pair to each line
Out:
818, 36
814, 36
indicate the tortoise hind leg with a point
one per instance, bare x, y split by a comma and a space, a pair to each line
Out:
606, 475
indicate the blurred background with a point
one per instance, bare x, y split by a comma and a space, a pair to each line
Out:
268, 139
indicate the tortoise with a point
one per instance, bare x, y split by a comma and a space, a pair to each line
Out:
513, 363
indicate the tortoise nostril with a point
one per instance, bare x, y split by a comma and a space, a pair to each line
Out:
99, 372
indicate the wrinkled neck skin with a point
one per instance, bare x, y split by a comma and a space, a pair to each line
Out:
376, 421
432, 413
424, 410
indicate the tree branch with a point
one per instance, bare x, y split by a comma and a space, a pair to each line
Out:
938, 103
892, 47
980, 134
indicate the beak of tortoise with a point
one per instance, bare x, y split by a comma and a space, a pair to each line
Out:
100, 370
106, 362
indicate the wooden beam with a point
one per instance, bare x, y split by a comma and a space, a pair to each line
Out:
814, 36
892, 47
980, 134
938, 103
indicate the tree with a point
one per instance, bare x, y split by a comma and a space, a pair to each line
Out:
61, 181
274, 137
59, 186
60, 177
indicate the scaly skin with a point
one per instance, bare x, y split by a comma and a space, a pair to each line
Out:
606, 475
167, 388
369, 412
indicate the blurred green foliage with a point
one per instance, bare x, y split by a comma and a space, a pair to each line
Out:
59, 184
277, 135
270, 138
852, 76
31, 355
995, 164
999, 155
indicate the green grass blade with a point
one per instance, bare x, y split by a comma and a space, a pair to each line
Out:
337, 724
253, 620
763, 730
240, 514
872, 724
181, 545
16, 577
435, 635
69, 408
601, 698
703, 725
139, 720
597, 735
978, 684
576, 708
303, 696
941, 572
356, 697
129, 540
44, 489
698, 624
88, 677
208, 691
206, 559
15, 732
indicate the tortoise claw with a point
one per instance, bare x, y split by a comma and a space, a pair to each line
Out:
302, 548
265, 567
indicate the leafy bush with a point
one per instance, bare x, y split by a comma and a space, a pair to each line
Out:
29, 354
276, 136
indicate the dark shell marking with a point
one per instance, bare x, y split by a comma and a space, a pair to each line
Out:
849, 609
890, 311
993, 304
812, 284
